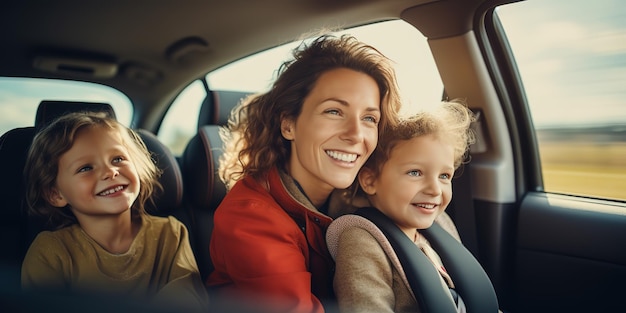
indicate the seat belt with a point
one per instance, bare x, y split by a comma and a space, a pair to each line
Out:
470, 279
420, 272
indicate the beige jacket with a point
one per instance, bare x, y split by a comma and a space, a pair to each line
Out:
368, 275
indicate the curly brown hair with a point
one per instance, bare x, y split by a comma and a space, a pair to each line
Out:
253, 140
53, 141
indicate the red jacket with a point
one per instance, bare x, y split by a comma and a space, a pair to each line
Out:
259, 246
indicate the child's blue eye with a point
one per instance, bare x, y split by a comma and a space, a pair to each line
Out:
445, 176
414, 173
84, 169
118, 159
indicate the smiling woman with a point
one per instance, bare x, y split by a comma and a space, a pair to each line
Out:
288, 149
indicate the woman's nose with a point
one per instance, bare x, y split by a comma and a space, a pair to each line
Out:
353, 130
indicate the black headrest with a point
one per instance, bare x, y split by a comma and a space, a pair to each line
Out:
49, 110
200, 162
217, 105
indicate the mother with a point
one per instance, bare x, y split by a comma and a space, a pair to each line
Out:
287, 150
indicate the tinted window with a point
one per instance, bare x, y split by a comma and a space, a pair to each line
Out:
20, 97
571, 56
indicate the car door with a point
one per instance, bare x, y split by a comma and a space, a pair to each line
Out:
562, 66
542, 201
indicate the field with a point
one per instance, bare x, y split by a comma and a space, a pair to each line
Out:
585, 168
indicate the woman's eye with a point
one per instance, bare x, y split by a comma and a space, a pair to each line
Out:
333, 111
372, 119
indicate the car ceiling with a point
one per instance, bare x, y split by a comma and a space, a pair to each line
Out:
158, 47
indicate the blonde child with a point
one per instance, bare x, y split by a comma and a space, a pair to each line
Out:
90, 177
408, 178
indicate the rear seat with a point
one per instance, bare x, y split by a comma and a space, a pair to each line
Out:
14, 226
199, 162
19, 229
194, 204
218, 104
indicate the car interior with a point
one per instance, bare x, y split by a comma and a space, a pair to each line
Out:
546, 247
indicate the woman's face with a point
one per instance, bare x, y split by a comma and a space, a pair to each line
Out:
335, 133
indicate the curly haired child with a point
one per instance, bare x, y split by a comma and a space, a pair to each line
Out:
90, 177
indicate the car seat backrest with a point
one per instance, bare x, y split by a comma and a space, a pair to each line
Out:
218, 104
200, 162
14, 145
204, 189
14, 229
170, 200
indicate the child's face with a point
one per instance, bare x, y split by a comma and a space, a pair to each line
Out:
96, 175
414, 185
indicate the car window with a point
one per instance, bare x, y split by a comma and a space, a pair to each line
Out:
419, 80
571, 56
20, 97
181, 122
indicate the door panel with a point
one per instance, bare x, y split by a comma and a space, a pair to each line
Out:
570, 255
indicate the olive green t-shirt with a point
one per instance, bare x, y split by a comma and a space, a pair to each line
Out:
158, 265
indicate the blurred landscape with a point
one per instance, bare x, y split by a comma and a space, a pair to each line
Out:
588, 161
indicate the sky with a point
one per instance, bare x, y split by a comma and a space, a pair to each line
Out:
573, 72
